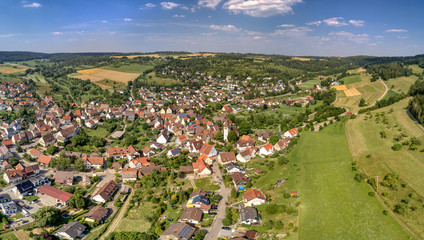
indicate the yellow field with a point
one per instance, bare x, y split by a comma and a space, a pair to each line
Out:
97, 76
352, 92
9, 70
370, 91
358, 70
340, 87
201, 55
136, 56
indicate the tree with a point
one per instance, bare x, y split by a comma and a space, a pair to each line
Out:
396, 147
227, 221
46, 216
51, 150
362, 103
232, 136
13, 161
401, 208
234, 193
79, 165
273, 139
199, 234
245, 127
272, 209
77, 201
219, 136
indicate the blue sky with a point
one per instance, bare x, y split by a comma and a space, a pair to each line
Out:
291, 27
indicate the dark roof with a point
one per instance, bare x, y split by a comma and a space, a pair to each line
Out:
248, 213
108, 189
98, 213
73, 229
180, 230
25, 187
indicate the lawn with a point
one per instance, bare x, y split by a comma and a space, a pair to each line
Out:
98, 132
370, 91
130, 68
8, 236
334, 206
309, 84
137, 219
206, 183
401, 84
376, 158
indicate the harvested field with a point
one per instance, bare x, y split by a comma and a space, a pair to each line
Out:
352, 92
340, 87
97, 76
136, 56
9, 70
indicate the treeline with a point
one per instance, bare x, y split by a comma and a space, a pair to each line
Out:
21, 56
389, 70
416, 105
384, 103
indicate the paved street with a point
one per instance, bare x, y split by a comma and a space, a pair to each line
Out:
216, 228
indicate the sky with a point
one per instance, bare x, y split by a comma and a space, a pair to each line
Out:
289, 27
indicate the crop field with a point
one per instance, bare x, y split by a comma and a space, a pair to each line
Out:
376, 158
358, 70
334, 206
340, 87
351, 92
370, 91
401, 84
351, 79
97, 75
10, 70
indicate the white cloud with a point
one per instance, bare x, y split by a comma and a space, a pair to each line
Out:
32, 5
103, 21
178, 16
357, 23
396, 30
7, 35
257, 38
335, 22
286, 25
127, 19
261, 8
293, 32
149, 5
402, 37
357, 38
57, 33
209, 3
316, 23
225, 28
169, 5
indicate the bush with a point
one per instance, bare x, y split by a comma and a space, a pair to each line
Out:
371, 194
396, 147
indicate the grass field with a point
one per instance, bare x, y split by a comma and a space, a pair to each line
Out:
97, 76
389, 94
334, 206
351, 79
137, 219
401, 84
9, 78
130, 68
370, 91
309, 84
161, 81
10, 70
358, 70
376, 158
8, 236
98, 132
416, 69
206, 183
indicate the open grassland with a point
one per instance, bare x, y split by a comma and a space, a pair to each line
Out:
390, 94
206, 183
376, 158
401, 84
161, 81
130, 68
9, 78
100, 132
358, 70
303, 59
10, 70
309, 84
99, 76
370, 91
416, 69
136, 220
334, 206
351, 79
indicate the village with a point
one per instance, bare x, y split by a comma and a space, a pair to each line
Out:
29, 151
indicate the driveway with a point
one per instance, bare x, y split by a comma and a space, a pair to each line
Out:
216, 228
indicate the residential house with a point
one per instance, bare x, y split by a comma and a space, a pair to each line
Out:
140, 162
47, 140
233, 167
247, 154
249, 216
281, 144
93, 162
178, 231
191, 215
129, 174
174, 152
122, 152
64, 178
71, 230
5, 153
244, 142
201, 169
208, 150
239, 180
163, 137
254, 197
98, 213
9, 208
24, 189
35, 153
13, 176
226, 157
106, 192
291, 133
4, 198
267, 149
200, 202
195, 145
43, 159
58, 195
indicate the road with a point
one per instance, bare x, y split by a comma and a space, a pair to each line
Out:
216, 227
118, 218
384, 94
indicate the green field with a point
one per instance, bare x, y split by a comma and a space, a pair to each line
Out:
416, 69
309, 84
401, 84
206, 183
8, 236
9, 78
376, 158
130, 68
390, 94
98, 132
136, 219
161, 81
334, 206
351, 79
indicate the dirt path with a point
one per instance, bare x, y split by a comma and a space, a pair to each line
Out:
118, 218
384, 94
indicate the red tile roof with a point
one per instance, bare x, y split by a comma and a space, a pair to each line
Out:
55, 193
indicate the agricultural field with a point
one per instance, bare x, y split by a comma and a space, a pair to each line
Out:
401, 84
356, 71
370, 91
334, 206
130, 68
105, 78
351, 79
9, 78
376, 158
416, 69
11, 70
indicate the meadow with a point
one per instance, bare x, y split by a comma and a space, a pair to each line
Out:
376, 157
99, 76
416, 69
334, 206
401, 84
130, 68
11, 70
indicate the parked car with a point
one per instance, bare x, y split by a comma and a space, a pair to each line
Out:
226, 228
